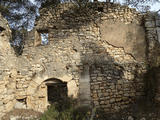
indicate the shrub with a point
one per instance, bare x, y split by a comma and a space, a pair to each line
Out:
66, 110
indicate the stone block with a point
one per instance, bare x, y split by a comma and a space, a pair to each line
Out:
158, 33
150, 24
157, 17
96, 103
96, 87
9, 106
112, 100
20, 105
72, 89
157, 23
1, 103
102, 102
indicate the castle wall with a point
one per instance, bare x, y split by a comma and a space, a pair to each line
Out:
102, 54
105, 41
7, 69
152, 27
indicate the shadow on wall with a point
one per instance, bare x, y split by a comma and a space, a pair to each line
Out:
152, 80
72, 16
111, 79
108, 79
109, 76
75, 17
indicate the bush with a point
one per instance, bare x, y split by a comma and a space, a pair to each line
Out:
66, 110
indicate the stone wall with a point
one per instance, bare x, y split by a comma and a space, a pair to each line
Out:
101, 64
103, 55
7, 69
152, 35
152, 26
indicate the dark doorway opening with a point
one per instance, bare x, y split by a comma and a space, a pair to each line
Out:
57, 92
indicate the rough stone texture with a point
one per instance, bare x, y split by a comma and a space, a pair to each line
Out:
115, 58
102, 52
7, 71
153, 53
131, 37
84, 88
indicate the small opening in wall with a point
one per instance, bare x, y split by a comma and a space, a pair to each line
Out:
41, 37
18, 72
57, 91
44, 38
22, 100
21, 103
100, 9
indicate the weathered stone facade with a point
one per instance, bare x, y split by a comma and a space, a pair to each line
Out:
113, 58
152, 26
7, 69
102, 55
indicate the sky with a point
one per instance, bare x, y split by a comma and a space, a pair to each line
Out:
155, 7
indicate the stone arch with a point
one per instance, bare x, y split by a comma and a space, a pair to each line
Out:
53, 80
37, 97
71, 84
57, 90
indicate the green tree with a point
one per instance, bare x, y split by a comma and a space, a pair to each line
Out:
142, 5
19, 13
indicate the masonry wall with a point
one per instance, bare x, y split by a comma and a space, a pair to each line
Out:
7, 69
152, 26
106, 41
103, 55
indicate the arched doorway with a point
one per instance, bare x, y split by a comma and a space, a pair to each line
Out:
56, 90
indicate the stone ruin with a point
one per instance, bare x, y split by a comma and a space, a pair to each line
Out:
100, 58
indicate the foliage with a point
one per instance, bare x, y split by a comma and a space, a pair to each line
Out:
20, 13
18, 40
4, 9
66, 110
142, 5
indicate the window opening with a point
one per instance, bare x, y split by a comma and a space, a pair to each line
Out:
57, 92
44, 38
22, 100
21, 103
